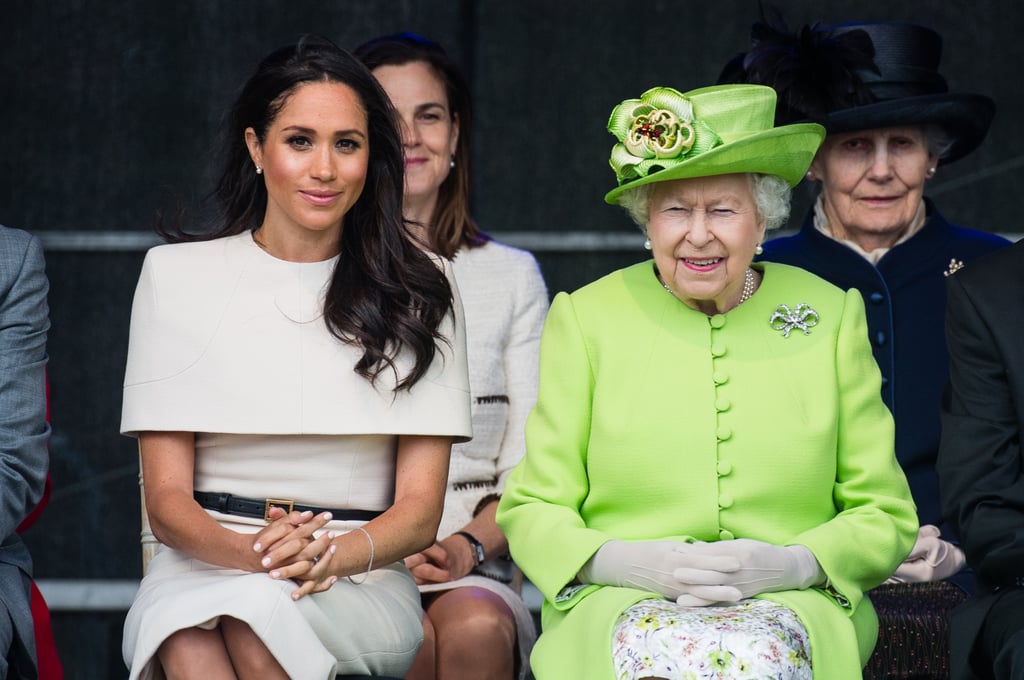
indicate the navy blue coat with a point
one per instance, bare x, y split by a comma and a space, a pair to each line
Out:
905, 298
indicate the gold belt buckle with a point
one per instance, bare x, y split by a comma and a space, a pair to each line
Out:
285, 503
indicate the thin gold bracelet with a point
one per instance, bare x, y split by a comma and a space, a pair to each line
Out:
369, 567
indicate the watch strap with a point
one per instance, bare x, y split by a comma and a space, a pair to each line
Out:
477, 546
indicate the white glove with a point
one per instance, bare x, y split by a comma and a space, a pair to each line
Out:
649, 565
755, 567
931, 559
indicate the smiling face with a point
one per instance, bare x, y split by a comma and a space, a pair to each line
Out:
429, 132
703, 232
314, 159
873, 182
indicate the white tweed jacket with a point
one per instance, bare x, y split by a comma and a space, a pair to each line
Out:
505, 302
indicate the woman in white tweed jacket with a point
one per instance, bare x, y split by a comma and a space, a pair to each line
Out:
476, 624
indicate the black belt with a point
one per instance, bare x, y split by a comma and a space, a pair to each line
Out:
260, 507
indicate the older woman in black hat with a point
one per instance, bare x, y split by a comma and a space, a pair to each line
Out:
891, 123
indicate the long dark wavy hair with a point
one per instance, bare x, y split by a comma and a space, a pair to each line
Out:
452, 226
386, 295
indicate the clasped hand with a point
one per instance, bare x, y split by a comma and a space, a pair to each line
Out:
442, 562
700, 574
931, 559
288, 548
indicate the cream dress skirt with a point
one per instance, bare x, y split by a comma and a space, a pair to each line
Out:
371, 628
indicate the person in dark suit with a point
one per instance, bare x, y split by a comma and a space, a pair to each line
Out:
24, 432
980, 465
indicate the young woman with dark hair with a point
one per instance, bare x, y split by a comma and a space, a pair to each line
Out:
295, 378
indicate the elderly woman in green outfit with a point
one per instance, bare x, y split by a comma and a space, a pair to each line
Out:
709, 450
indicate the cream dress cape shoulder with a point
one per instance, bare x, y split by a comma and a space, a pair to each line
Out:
226, 338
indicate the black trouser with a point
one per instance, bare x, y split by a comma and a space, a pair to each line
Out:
999, 648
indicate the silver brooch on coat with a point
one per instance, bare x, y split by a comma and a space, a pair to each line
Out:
955, 265
785, 319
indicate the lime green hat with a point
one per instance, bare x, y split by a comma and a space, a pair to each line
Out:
716, 130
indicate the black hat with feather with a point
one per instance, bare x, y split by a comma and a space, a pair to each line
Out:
860, 76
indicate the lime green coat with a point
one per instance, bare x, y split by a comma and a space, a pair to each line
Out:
654, 421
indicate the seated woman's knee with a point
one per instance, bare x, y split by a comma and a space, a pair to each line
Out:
477, 617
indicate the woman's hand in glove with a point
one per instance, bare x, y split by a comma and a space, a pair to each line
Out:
651, 565
931, 559
752, 567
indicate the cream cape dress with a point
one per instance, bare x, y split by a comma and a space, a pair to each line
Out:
230, 343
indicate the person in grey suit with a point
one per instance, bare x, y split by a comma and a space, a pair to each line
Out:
980, 464
24, 433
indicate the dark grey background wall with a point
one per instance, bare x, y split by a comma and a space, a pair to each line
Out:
111, 108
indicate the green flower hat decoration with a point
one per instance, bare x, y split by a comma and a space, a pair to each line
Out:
717, 130
656, 128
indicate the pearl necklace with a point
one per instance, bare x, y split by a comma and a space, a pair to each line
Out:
749, 282
748, 286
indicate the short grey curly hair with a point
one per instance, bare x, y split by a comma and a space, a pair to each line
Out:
771, 199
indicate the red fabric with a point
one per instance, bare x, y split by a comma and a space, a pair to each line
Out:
46, 647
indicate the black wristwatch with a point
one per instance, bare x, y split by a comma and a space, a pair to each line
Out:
477, 546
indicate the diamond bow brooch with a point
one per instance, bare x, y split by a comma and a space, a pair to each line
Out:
785, 319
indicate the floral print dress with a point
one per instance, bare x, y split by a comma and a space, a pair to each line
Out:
749, 639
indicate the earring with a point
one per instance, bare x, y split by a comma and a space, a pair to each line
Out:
259, 170
810, 175
647, 244
931, 172
758, 250
451, 163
